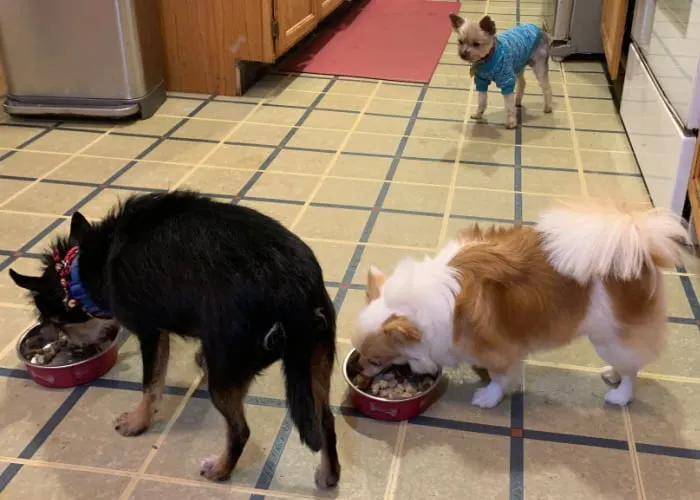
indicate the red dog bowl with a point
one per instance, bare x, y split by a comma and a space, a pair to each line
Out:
69, 375
394, 410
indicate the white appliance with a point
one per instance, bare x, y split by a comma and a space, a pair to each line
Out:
661, 96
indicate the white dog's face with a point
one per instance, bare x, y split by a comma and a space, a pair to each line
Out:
475, 39
382, 337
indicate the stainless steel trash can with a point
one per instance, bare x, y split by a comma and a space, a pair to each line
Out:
99, 58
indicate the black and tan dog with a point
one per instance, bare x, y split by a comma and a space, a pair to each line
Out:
179, 263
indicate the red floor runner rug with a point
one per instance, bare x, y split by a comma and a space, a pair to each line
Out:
400, 40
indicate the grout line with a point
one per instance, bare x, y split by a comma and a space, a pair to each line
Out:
428, 250
434, 422
455, 168
634, 456
338, 177
207, 485
267, 472
43, 433
301, 121
77, 393
574, 138
517, 404
517, 171
335, 157
99, 188
690, 294
661, 377
56, 168
71, 182
161, 438
438, 138
237, 126
395, 467
272, 146
11, 345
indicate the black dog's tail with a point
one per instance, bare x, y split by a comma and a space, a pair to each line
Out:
308, 365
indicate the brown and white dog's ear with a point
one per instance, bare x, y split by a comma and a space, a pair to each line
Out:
487, 25
401, 330
375, 281
456, 21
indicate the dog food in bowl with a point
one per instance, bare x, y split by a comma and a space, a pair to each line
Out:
398, 382
52, 360
394, 394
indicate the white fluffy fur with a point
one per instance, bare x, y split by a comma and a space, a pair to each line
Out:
587, 244
424, 292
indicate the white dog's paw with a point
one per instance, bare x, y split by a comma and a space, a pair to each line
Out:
620, 396
477, 116
489, 396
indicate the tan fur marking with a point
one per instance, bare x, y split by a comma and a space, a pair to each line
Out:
328, 471
137, 421
385, 346
512, 300
640, 309
230, 403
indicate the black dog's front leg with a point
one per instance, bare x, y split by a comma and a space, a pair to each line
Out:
155, 351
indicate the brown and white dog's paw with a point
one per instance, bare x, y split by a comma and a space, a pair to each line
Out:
132, 423
215, 469
325, 478
548, 109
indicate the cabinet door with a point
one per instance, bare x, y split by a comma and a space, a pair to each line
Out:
612, 31
328, 6
295, 19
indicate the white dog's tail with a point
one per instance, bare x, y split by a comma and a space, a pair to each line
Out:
594, 242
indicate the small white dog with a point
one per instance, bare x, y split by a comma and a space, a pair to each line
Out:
502, 59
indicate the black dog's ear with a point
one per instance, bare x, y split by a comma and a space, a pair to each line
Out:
78, 227
487, 25
456, 21
27, 282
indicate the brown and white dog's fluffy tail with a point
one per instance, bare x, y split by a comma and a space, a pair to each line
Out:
591, 242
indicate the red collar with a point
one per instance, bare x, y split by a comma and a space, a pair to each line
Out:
63, 268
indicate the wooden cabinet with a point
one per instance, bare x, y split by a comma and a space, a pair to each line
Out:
206, 41
694, 190
612, 31
293, 21
328, 6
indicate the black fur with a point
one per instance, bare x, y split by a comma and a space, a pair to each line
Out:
224, 274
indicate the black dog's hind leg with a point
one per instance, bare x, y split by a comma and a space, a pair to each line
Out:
229, 402
328, 471
155, 351
308, 366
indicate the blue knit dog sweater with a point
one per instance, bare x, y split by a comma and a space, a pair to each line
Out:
513, 49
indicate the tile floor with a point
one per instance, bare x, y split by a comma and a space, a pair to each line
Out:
366, 172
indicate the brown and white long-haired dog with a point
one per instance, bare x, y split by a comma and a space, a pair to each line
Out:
494, 296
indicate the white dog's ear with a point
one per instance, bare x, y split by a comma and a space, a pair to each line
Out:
375, 281
456, 21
